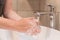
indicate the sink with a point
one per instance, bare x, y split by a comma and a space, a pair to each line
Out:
45, 34
54, 35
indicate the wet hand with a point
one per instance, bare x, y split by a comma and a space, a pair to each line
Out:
28, 25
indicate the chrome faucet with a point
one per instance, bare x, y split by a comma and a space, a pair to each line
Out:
37, 14
52, 16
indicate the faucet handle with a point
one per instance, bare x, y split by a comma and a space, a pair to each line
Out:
51, 8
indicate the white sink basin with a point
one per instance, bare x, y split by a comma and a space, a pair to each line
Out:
54, 35
45, 34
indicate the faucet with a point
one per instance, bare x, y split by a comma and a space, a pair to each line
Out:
52, 16
37, 14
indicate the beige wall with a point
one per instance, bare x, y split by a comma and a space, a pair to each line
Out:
57, 4
24, 5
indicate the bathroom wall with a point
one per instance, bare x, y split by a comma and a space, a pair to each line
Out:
57, 2
22, 8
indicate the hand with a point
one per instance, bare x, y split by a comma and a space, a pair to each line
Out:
28, 25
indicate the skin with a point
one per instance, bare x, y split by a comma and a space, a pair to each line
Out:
17, 23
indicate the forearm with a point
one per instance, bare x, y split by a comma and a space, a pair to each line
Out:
12, 15
8, 5
7, 23
8, 11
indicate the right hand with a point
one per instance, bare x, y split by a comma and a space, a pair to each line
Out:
26, 24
